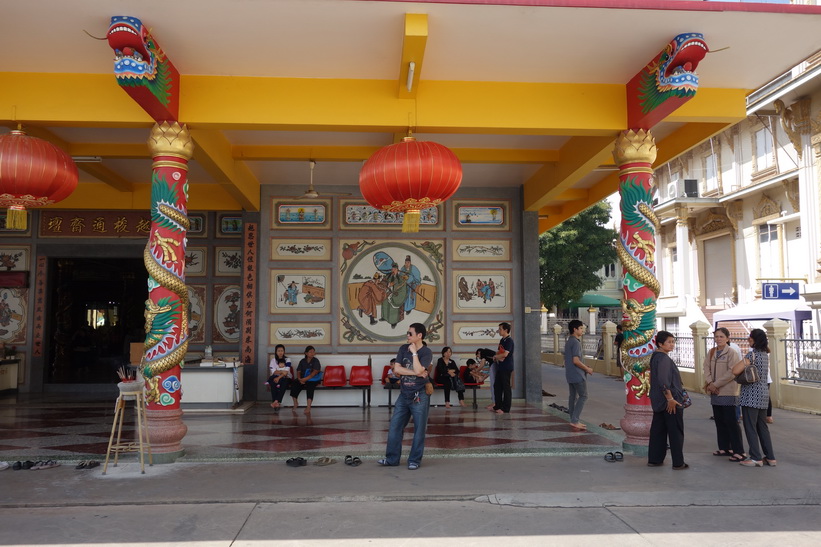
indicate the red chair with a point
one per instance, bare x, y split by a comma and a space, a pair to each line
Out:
334, 376
362, 376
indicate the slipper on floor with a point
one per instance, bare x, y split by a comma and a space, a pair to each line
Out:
737, 458
17, 466
348, 460
4, 466
28, 464
355, 462
722, 453
46, 465
292, 462
610, 457
619, 456
81, 465
91, 464
610, 427
323, 461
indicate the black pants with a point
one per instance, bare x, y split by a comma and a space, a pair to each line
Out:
297, 387
447, 385
758, 433
501, 390
728, 433
667, 427
278, 389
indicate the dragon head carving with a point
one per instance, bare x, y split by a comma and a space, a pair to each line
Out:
673, 72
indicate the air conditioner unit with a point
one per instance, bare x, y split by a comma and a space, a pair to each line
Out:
691, 188
672, 190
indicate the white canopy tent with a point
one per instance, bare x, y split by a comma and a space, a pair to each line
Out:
795, 311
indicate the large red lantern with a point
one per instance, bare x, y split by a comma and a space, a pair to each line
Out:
33, 173
410, 176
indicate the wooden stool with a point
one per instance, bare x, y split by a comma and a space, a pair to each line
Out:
129, 391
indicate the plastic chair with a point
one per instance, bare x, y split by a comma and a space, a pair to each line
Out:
362, 376
334, 376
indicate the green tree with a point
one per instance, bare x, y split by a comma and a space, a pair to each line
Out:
571, 254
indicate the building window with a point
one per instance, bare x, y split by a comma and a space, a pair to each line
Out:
610, 270
768, 250
710, 173
763, 149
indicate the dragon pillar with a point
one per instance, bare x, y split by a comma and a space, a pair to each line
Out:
166, 310
634, 153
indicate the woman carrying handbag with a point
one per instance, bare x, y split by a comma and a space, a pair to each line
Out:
754, 399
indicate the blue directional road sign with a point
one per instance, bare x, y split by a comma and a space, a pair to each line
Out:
780, 291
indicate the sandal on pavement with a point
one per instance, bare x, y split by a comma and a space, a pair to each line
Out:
619, 456
47, 465
413, 466
681, 467
82, 465
292, 462
752, 463
323, 461
348, 460
737, 458
609, 427
17, 466
722, 453
771, 463
610, 457
384, 462
356, 462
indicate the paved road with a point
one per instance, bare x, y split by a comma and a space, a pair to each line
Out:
560, 500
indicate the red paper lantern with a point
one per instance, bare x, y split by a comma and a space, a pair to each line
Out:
33, 173
410, 176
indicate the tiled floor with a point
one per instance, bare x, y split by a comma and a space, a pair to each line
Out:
38, 428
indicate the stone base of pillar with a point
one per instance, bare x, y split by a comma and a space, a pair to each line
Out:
166, 431
636, 427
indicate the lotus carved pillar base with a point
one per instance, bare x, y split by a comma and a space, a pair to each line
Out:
636, 427
165, 431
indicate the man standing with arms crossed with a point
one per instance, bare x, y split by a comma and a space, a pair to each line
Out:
412, 362
502, 391
576, 373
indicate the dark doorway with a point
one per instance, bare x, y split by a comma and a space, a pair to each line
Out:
96, 311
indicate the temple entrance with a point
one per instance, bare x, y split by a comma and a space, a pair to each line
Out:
96, 310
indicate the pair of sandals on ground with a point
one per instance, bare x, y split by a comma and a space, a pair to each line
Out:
34, 466
353, 461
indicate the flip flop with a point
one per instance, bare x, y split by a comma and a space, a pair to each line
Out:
323, 461
292, 462
348, 460
46, 465
355, 462
81, 465
92, 464
302, 461
618, 456
610, 457
722, 453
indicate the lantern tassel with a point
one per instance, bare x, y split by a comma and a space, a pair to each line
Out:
16, 218
411, 222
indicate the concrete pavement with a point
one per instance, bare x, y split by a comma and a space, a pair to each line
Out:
573, 500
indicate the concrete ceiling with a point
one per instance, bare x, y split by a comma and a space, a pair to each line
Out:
486, 65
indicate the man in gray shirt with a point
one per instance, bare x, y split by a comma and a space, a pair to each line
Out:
576, 373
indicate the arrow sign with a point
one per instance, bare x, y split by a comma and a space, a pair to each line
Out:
779, 291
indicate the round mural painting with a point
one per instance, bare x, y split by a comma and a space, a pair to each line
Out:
388, 286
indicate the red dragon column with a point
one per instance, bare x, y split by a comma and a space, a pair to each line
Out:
634, 154
166, 310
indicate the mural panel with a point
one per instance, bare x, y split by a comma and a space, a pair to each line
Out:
300, 249
13, 315
481, 291
387, 285
481, 250
300, 291
196, 313
226, 313
300, 334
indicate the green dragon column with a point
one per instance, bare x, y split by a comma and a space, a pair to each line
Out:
635, 152
166, 310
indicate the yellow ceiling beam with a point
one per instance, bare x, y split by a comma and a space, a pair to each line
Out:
213, 151
99, 196
413, 51
111, 150
360, 153
572, 194
672, 146
712, 106
220, 102
577, 157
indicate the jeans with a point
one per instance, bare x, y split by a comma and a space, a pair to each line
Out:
408, 404
578, 396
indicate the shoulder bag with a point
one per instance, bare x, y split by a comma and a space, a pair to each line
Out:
749, 375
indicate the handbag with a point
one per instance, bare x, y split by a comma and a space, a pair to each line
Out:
748, 376
684, 399
460, 385
317, 377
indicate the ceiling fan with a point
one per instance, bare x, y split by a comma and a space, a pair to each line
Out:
311, 193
